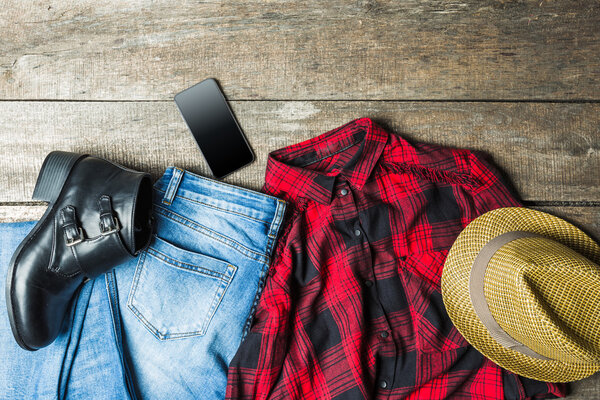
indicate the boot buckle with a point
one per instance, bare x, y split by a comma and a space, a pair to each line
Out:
112, 227
78, 239
108, 221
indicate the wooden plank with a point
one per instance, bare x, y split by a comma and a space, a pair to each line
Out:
550, 151
20, 213
586, 389
308, 50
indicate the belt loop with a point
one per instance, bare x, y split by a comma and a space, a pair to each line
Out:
275, 224
173, 186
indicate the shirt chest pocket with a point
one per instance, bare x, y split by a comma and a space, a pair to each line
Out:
175, 293
434, 332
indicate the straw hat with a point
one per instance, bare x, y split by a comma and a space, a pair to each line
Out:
523, 287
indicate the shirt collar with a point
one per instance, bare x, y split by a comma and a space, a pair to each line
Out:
310, 169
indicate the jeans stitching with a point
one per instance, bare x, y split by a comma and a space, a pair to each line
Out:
253, 255
225, 210
276, 224
136, 277
217, 298
214, 183
259, 290
111, 290
172, 186
188, 267
133, 290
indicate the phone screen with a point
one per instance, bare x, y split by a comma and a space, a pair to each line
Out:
214, 127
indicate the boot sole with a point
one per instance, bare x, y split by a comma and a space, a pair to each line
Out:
51, 180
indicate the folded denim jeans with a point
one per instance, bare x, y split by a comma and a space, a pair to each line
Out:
167, 323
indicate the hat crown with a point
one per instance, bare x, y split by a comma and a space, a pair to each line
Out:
518, 298
547, 297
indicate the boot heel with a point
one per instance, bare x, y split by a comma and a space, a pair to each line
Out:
53, 175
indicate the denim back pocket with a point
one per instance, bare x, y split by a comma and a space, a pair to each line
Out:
175, 292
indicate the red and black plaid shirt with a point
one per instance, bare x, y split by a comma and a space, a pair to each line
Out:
352, 307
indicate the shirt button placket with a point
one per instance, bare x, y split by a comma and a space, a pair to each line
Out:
369, 283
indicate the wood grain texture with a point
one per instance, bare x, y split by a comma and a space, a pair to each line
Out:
586, 389
20, 213
305, 50
280, 61
551, 152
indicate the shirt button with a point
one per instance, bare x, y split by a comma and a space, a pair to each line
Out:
384, 334
383, 384
343, 192
357, 232
368, 283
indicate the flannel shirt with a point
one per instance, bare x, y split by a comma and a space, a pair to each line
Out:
352, 307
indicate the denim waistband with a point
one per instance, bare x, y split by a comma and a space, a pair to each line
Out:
179, 183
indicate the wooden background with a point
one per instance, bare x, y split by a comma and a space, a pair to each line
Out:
518, 79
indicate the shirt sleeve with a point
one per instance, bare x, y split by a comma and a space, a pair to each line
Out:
258, 363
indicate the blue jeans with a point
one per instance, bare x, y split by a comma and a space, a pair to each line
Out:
167, 323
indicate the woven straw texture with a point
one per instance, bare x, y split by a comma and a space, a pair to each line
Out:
543, 293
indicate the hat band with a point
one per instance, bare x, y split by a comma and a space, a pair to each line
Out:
476, 291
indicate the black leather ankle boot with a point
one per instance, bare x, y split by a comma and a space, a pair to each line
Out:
98, 217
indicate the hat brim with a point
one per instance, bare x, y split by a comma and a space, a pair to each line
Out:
455, 287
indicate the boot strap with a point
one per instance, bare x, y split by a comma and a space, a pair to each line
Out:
108, 221
92, 255
72, 231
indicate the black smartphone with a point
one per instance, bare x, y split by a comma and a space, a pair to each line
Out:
217, 133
